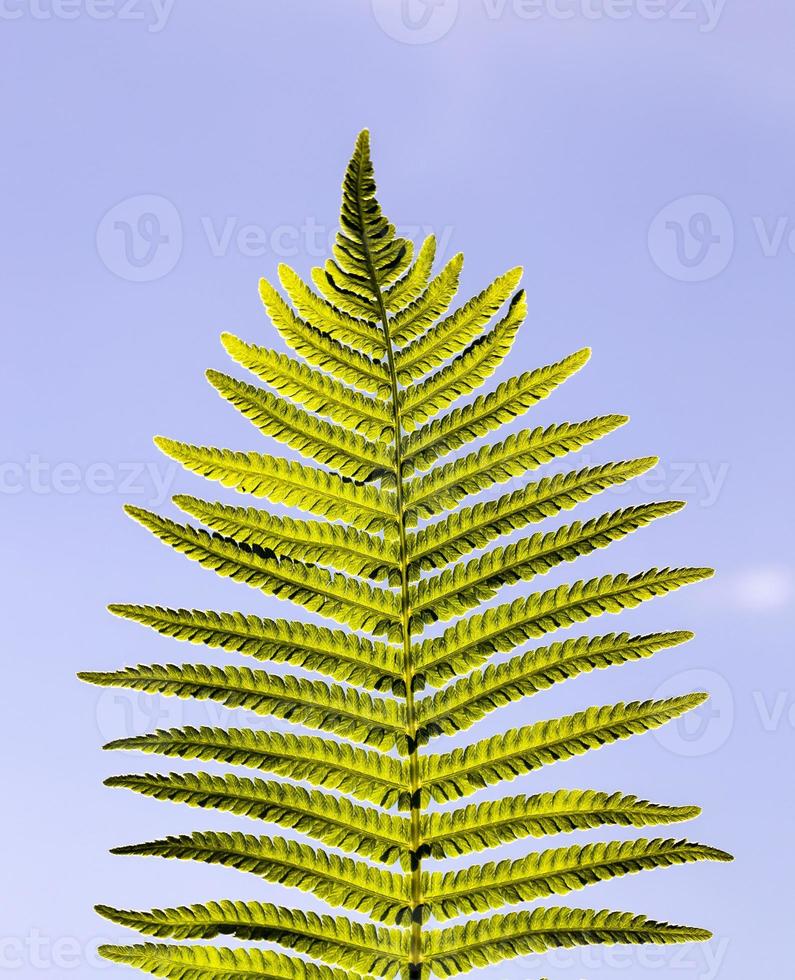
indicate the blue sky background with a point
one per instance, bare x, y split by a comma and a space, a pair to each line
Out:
636, 160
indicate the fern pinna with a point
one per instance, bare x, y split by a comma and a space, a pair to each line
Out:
372, 400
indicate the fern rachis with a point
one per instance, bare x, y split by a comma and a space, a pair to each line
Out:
375, 405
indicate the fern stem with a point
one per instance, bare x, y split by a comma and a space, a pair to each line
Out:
415, 970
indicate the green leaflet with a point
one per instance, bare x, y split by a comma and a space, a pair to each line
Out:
478, 826
198, 962
503, 628
285, 482
334, 545
508, 401
462, 704
443, 487
467, 585
340, 880
384, 395
338, 822
484, 941
450, 336
320, 349
466, 373
463, 771
343, 656
475, 527
314, 390
363, 947
360, 334
342, 711
414, 319
344, 599
411, 286
553, 872
362, 773
348, 453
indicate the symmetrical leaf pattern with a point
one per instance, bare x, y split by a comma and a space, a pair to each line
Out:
400, 547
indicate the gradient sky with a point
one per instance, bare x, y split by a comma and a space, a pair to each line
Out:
636, 158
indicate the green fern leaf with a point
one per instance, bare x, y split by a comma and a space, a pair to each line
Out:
443, 487
483, 887
467, 584
313, 389
475, 827
415, 318
466, 373
451, 336
338, 880
200, 962
343, 656
285, 482
320, 349
468, 700
316, 542
359, 946
388, 381
360, 334
504, 757
342, 711
364, 774
485, 941
508, 401
335, 821
414, 282
501, 629
475, 527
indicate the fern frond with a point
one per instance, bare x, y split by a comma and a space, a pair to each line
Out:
360, 946
345, 452
317, 542
340, 881
501, 757
343, 711
347, 600
476, 827
485, 413
320, 349
466, 373
451, 336
333, 820
467, 584
363, 773
415, 318
413, 283
474, 527
485, 941
366, 245
558, 871
360, 334
468, 700
503, 628
211, 963
343, 656
444, 486
385, 393
286, 482
314, 390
